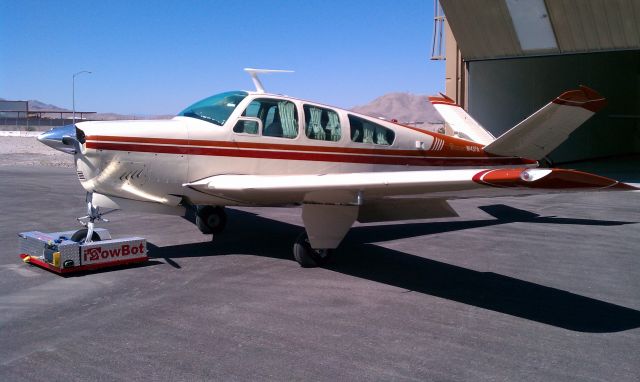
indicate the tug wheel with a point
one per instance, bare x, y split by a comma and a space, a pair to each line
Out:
81, 235
308, 257
211, 219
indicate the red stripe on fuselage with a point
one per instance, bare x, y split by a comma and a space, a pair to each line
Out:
292, 147
228, 150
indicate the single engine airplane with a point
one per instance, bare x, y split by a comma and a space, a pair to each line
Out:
253, 148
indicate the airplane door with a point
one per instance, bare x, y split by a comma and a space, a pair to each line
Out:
263, 132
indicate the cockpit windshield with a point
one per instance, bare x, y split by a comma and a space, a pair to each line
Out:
215, 109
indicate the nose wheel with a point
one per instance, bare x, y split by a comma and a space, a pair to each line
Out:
80, 236
211, 219
87, 234
309, 257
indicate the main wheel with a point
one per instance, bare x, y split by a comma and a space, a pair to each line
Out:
211, 219
81, 235
308, 257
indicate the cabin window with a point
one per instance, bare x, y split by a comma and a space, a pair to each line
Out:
365, 131
322, 124
279, 118
215, 109
246, 127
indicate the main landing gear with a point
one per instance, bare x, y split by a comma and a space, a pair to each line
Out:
326, 223
308, 257
211, 219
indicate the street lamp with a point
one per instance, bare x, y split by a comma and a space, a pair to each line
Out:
73, 92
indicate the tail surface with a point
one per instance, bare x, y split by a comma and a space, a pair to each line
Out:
547, 128
458, 122
537, 135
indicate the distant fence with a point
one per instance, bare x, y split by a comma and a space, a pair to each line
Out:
16, 115
32, 124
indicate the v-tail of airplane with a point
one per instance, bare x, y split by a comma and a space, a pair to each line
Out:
533, 138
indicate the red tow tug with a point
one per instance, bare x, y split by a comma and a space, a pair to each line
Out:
57, 252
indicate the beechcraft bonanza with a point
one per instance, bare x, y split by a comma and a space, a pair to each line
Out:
252, 148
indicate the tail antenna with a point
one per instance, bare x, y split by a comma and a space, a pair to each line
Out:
256, 81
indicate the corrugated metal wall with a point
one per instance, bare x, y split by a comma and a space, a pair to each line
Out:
595, 24
484, 29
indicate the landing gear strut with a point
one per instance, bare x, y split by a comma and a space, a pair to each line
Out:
211, 219
86, 235
308, 257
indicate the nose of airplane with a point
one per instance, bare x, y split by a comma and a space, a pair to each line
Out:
64, 138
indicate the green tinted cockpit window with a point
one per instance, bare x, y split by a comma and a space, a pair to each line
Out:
215, 109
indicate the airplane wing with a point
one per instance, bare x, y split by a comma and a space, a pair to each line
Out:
332, 202
360, 188
546, 129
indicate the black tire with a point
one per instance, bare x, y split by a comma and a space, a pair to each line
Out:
308, 257
211, 219
80, 235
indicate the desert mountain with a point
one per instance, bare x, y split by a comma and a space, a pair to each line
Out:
35, 105
404, 107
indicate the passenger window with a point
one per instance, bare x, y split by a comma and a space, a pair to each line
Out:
246, 127
279, 118
364, 131
322, 124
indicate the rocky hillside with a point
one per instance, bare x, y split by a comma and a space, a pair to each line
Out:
404, 107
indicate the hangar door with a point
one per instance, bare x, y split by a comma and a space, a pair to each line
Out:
503, 92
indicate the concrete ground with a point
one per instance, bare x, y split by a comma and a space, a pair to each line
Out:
541, 288
26, 150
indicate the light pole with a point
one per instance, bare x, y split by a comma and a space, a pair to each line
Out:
73, 92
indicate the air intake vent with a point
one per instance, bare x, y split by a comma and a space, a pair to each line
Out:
81, 176
80, 136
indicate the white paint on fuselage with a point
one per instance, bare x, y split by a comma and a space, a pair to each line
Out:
117, 172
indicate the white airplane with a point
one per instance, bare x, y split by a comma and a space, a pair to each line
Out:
252, 148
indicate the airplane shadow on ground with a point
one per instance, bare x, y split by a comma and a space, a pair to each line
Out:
251, 234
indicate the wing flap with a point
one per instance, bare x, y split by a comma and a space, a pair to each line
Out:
392, 209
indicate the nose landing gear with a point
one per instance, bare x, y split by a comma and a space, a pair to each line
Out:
87, 235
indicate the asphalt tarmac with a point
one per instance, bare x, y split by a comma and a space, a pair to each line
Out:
543, 288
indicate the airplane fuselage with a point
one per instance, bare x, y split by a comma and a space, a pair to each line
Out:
152, 160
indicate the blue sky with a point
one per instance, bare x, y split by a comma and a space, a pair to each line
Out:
157, 57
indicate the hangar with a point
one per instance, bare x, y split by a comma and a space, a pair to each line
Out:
507, 58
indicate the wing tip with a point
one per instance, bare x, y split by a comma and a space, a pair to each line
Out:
553, 178
442, 100
585, 97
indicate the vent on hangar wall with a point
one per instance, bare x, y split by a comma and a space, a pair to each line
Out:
437, 46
